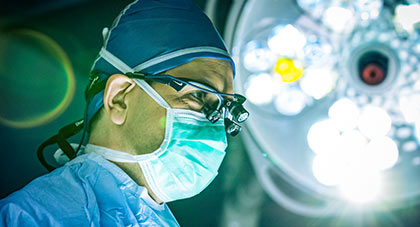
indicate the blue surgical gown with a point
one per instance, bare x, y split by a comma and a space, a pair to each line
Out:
88, 191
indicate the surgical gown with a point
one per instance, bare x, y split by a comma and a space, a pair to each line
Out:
88, 191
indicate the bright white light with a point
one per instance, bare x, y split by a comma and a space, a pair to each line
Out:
257, 58
417, 48
328, 169
407, 16
410, 106
287, 40
374, 121
361, 186
345, 113
324, 137
403, 55
260, 89
318, 82
417, 130
417, 84
290, 100
368, 9
403, 133
337, 18
409, 146
352, 146
382, 153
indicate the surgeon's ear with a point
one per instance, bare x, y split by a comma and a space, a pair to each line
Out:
115, 97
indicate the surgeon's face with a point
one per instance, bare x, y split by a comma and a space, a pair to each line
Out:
145, 125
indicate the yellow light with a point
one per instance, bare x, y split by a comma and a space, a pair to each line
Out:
288, 69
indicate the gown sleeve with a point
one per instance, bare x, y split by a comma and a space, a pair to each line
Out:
60, 198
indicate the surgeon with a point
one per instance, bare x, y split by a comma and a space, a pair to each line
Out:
160, 104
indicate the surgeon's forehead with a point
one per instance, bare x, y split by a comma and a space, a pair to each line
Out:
213, 72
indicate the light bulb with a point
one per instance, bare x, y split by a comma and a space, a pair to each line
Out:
288, 69
337, 18
345, 113
374, 121
368, 9
328, 169
318, 82
324, 137
410, 106
257, 58
407, 16
381, 153
286, 40
361, 185
290, 100
260, 89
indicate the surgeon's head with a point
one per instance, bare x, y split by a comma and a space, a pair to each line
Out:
152, 37
172, 37
131, 121
157, 93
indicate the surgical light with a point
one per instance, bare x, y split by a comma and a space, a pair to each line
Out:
381, 153
368, 9
288, 69
362, 186
345, 113
323, 137
374, 121
260, 89
409, 104
359, 90
258, 57
287, 40
417, 130
408, 16
318, 82
328, 169
352, 145
290, 100
337, 18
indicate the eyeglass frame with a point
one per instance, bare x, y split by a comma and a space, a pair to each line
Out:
182, 82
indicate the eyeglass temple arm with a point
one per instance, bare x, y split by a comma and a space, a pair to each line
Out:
163, 79
179, 83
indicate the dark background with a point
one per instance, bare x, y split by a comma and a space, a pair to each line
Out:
76, 26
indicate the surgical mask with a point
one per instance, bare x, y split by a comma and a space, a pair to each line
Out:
187, 160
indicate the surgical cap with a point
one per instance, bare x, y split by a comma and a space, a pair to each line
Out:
152, 36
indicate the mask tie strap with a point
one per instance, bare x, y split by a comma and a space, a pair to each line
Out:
124, 68
117, 156
114, 61
152, 93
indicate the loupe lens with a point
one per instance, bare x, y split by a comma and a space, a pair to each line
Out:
232, 128
239, 113
243, 117
212, 115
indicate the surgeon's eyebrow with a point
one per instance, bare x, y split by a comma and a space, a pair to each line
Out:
219, 87
205, 81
